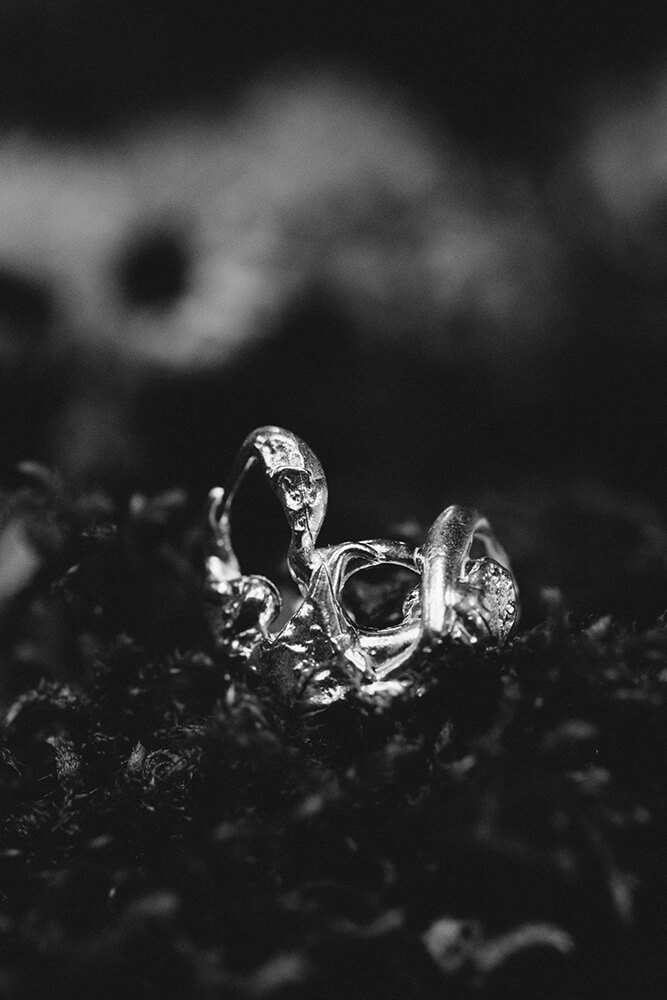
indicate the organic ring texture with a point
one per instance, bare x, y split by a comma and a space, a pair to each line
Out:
321, 652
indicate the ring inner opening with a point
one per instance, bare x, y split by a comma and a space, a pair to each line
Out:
373, 597
259, 530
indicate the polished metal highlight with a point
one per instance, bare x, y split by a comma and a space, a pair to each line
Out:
321, 653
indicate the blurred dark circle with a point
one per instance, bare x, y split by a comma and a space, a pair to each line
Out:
24, 302
155, 268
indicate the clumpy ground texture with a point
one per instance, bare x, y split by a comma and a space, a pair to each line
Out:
173, 828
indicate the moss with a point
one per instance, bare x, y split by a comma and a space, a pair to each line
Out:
171, 828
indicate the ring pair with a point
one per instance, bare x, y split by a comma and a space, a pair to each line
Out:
321, 650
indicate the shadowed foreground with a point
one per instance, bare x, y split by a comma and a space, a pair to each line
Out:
174, 829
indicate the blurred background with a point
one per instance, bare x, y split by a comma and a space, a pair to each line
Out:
430, 239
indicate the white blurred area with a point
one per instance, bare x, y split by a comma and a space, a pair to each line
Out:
612, 186
309, 181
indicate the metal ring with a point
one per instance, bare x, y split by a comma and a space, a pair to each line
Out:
467, 599
472, 600
295, 475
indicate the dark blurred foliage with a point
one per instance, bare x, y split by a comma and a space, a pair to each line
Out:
505, 78
498, 73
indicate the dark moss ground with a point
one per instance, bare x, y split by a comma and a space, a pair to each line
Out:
171, 828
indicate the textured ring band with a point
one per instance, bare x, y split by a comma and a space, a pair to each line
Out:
460, 596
